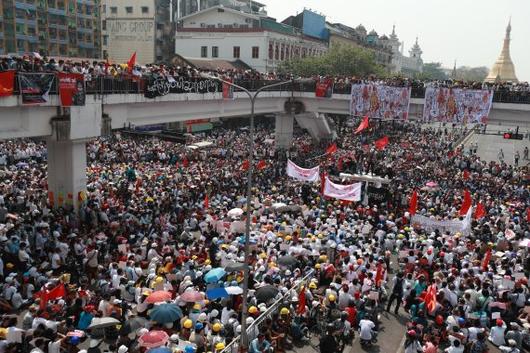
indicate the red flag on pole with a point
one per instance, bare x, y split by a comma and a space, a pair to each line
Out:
131, 62
381, 143
363, 125
480, 211
261, 165
466, 203
430, 298
413, 204
301, 301
466, 174
486, 261
206, 201
55, 293
245, 165
331, 149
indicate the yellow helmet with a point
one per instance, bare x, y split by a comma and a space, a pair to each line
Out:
331, 298
207, 262
288, 238
219, 346
317, 266
216, 327
188, 323
159, 280
312, 285
196, 306
284, 311
252, 310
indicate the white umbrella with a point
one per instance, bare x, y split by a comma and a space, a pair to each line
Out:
278, 205
234, 290
235, 212
103, 322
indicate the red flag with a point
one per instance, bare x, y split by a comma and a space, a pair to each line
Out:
466, 174
131, 62
7, 83
46, 296
466, 203
528, 214
206, 201
331, 148
245, 165
480, 211
381, 143
301, 302
107, 64
261, 165
379, 275
185, 162
486, 261
363, 125
430, 298
413, 205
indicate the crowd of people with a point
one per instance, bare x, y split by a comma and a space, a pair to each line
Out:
153, 260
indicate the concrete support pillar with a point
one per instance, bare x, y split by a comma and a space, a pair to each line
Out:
66, 172
284, 131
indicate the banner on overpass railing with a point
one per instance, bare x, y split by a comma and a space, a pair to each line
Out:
71, 89
35, 88
7, 83
161, 86
455, 105
380, 101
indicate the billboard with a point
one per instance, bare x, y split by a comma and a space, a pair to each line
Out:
380, 101
314, 25
125, 36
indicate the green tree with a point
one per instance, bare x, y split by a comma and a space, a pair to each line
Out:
339, 60
432, 71
466, 73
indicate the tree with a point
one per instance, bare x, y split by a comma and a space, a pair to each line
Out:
340, 60
432, 71
466, 73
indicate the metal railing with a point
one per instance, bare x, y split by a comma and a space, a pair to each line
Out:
253, 328
126, 84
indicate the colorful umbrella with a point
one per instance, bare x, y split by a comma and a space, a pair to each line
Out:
217, 293
165, 313
214, 275
158, 297
191, 296
153, 339
159, 350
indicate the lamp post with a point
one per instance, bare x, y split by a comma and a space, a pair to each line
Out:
252, 96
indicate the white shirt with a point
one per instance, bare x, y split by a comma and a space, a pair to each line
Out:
497, 335
366, 326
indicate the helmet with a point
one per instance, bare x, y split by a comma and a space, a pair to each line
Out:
317, 266
284, 311
411, 333
219, 346
439, 319
499, 322
461, 321
312, 285
197, 306
252, 310
198, 326
189, 349
188, 323
74, 340
216, 327
331, 298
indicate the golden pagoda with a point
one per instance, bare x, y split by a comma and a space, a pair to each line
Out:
503, 69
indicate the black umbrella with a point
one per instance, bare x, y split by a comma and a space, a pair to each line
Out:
266, 293
287, 261
235, 266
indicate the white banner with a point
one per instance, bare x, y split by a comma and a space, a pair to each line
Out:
302, 174
453, 226
455, 105
350, 192
380, 101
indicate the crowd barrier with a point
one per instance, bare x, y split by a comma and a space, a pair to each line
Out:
254, 328
103, 85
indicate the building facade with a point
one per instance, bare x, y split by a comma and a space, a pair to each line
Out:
228, 34
188, 7
51, 27
141, 26
408, 65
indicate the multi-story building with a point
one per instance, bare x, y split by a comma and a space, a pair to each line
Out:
409, 65
221, 33
51, 27
188, 7
141, 26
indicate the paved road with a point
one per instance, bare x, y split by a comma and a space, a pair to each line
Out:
490, 145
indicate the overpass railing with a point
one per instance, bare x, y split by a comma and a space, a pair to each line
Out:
103, 85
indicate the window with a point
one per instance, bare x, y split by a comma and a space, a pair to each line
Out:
128, 9
204, 52
113, 10
145, 9
215, 52
104, 25
105, 40
255, 52
237, 52
104, 8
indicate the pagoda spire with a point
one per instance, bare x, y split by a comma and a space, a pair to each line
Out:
504, 69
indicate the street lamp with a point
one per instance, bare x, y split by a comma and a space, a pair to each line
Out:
252, 96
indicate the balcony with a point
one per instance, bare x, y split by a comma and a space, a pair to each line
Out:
24, 6
54, 11
31, 39
88, 17
86, 2
85, 30
58, 26
24, 21
85, 45
58, 41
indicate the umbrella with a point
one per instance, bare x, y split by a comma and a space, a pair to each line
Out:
266, 293
159, 350
158, 297
235, 266
214, 275
235, 212
278, 205
217, 293
431, 184
287, 260
103, 322
153, 339
191, 296
132, 325
165, 313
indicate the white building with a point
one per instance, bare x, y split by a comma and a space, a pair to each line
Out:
220, 33
400, 63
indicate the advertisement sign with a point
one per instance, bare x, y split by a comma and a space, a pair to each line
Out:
378, 195
161, 86
126, 35
228, 90
302, 174
380, 101
7, 83
455, 105
35, 88
71, 89
350, 192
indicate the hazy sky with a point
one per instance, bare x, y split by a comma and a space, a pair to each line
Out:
470, 31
